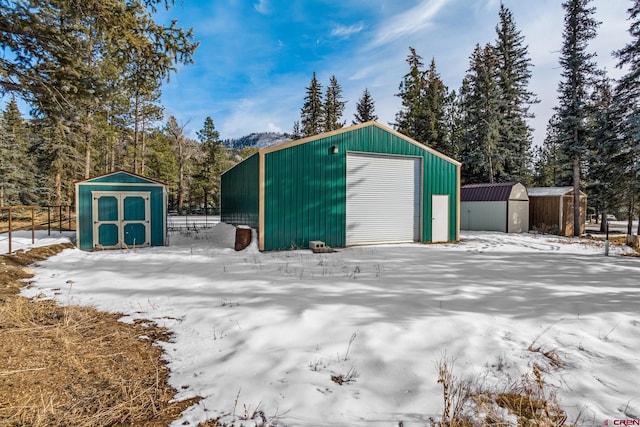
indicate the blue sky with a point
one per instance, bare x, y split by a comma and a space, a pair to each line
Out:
256, 57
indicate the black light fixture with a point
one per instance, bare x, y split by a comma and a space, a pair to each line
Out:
333, 149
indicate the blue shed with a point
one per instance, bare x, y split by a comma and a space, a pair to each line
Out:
120, 210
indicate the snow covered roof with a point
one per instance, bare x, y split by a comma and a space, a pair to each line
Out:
549, 191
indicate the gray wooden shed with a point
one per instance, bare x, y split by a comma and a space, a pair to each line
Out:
494, 207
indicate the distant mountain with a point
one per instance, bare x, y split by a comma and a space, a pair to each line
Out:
259, 140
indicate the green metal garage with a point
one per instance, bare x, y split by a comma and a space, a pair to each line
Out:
119, 210
358, 185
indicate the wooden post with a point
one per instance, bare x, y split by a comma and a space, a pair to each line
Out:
33, 227
10, 229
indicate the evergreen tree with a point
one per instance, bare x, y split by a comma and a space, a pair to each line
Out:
59, 161
333, 106
212, 161
17, 185
604, 185
162, 163
454, 125
69, 60
178, 140
513, 75
365, 109
433, 109
578, 69
628, 98
312, 113
296, 133
56, 46
411, 92
482, 156
550, 162
150, 112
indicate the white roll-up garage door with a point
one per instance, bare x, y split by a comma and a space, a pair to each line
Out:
383, 198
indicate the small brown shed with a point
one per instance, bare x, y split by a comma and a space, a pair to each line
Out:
551, 210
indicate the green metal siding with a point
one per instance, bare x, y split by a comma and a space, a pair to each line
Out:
113, 183
240, 195
305, 187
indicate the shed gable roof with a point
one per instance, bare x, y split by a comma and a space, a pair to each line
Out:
486, 192
121, 176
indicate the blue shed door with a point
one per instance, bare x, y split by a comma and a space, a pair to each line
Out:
121, 219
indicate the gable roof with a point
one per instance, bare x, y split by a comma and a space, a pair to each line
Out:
497, 192
123, 176
550, 191
288, 144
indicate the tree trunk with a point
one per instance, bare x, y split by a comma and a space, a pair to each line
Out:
87, 142
58, 189
180, 177
576, 196
630, 218
142, 147
135, 134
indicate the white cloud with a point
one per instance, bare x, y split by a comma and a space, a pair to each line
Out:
262, 7
408, 22
272, 127
344, 31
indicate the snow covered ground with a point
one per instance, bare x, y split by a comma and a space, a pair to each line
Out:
269, 330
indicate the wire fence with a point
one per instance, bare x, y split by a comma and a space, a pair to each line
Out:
21, 218
191, 222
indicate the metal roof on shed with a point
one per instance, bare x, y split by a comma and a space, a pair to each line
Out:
486, 192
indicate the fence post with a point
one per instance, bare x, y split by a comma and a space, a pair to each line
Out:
10, 230
33, 226
48, 220
60, 218
69, 217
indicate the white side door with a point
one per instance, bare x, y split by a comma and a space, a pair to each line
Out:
440, 218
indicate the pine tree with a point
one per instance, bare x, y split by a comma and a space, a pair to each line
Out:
628, 98
365, 109
454, 125
482, 157
296, 133
212, 161
578, 69
411, 92
178, 140
312, 113
434, 104
513, 75
550, 163
333, 106
604, 185
162, 163
69, 60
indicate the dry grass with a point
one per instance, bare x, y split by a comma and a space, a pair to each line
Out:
76, 366
526, 403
